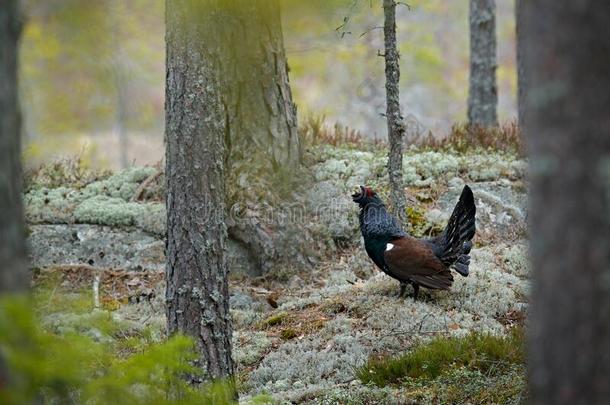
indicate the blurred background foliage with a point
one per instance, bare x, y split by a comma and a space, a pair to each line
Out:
92, 69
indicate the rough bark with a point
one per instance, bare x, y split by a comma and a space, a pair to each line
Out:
483, 90
396, 128
13, 269
261, 116
196, 271
566, 58
13, 274
521, 86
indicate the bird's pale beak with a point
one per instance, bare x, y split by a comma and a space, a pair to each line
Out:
358, 194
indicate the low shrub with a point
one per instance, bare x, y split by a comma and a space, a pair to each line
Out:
67, 366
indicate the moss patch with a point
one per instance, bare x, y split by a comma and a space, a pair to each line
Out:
275, 319
288, 333
475, 352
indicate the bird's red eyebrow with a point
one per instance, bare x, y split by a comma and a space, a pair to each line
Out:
368, 191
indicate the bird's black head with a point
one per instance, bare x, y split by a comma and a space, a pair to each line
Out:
365, 196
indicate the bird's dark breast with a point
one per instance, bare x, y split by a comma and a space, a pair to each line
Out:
375, 248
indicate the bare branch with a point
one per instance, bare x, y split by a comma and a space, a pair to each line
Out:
369, 30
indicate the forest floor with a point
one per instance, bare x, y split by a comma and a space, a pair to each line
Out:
312, 330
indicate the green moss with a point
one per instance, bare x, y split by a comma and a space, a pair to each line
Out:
418, 225
462, 385
276, 319
288, 333
476, 351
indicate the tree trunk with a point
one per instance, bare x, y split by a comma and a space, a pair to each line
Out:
120, 78
13, 267
196, 270
396, 128
13, 274
483, 91
521, 86
261, 116
566, 58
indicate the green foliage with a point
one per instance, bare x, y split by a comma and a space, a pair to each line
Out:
69, 366
479, 352
261, 399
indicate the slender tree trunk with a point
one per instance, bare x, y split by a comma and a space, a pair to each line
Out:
566, 58
121, 120
196, 270
261, 116
396, 128
13, 267
521, 86
483, 91
116, 10
13, 276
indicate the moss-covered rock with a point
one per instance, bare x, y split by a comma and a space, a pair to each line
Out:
121, 185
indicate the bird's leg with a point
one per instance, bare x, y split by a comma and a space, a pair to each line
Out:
415, 291
403, 288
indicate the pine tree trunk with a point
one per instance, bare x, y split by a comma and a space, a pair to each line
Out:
196, 271
260, 111
566, 58
396, 128
13, 274
483, 91
13, 267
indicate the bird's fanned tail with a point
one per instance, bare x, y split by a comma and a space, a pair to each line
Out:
455, 243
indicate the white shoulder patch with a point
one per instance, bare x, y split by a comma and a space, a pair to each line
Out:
389, 246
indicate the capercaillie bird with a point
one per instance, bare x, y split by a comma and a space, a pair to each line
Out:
419, 262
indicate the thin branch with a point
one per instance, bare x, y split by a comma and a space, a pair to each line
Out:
347, 19
369, 30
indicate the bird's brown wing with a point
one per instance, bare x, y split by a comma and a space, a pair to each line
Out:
409, 259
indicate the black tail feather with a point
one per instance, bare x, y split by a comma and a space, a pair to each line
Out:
456, 241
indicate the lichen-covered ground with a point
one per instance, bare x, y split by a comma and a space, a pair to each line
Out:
299, 337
